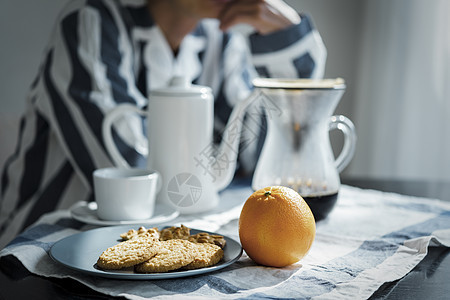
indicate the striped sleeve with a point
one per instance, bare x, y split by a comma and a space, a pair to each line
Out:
88, 72
295, 52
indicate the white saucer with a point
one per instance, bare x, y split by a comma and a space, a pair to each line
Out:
87, 213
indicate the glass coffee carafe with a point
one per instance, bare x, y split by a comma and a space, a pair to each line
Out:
297, 151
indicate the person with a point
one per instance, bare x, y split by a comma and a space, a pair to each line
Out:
103, 53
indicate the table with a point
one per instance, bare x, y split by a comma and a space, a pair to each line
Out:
429, 279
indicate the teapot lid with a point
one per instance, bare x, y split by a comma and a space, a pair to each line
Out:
180, 86
299, 84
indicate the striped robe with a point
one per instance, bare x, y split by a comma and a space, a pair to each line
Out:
103, 53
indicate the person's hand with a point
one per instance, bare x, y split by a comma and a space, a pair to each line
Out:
266, 16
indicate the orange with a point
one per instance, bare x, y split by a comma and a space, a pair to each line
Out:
276, 226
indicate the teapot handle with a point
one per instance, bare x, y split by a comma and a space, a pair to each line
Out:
108, 121
344, 124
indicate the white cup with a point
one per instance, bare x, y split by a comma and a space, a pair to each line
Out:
125, 194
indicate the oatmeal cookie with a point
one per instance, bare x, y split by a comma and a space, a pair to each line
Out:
206, 255
173, 255
129, 253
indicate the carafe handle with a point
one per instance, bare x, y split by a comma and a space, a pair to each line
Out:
108, 121
344, 124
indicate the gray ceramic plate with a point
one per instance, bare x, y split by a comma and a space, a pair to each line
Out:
81, 251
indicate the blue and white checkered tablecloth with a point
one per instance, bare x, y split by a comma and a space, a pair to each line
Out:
370, 238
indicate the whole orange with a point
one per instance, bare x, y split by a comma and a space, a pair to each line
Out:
276, 226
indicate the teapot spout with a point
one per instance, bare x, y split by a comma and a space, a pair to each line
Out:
226, 156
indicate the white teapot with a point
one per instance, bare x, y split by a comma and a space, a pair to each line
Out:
180, 122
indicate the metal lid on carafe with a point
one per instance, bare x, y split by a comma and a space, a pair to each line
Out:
299, 84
